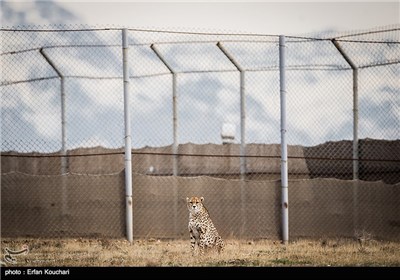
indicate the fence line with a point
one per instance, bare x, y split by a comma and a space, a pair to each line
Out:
153, 103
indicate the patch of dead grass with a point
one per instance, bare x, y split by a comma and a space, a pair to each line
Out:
158, 253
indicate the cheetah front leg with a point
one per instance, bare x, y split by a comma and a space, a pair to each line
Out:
220, 244
203, 244
192, 241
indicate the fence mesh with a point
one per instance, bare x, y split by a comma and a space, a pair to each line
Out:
205, 120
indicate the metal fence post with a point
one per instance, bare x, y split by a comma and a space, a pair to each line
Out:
284, 163
355, 132
242, 161
128, 138
175, 168
64, 159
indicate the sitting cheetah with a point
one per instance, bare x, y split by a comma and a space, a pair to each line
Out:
201, 228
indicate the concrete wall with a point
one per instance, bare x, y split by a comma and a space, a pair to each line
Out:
328, 160
37, 201
93, 205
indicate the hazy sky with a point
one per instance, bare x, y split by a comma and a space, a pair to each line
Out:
267, 17
95, 115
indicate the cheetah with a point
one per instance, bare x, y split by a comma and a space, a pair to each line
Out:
201, 228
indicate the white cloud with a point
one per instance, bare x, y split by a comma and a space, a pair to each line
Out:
319, 103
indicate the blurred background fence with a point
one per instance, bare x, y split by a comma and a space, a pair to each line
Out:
205, 121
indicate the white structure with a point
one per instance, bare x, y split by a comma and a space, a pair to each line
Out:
228, 133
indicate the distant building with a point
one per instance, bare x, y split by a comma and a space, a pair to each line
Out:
228, 133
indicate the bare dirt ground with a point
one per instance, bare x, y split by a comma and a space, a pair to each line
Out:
161, 253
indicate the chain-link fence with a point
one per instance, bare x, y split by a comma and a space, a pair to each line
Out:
205, 120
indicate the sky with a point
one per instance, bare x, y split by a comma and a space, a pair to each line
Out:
319, 102
264, 17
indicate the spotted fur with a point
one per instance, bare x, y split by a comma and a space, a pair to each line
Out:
201, 228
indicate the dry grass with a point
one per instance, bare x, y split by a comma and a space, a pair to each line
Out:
161, 253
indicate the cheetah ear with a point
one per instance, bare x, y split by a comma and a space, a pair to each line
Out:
201, 199
187, 199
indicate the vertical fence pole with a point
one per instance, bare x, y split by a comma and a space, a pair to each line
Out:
128, 139
355, 132
175, 167
355, 149
175, 170
242, 162
64, 159
284, 162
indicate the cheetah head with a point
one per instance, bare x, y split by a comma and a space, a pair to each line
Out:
194, 204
